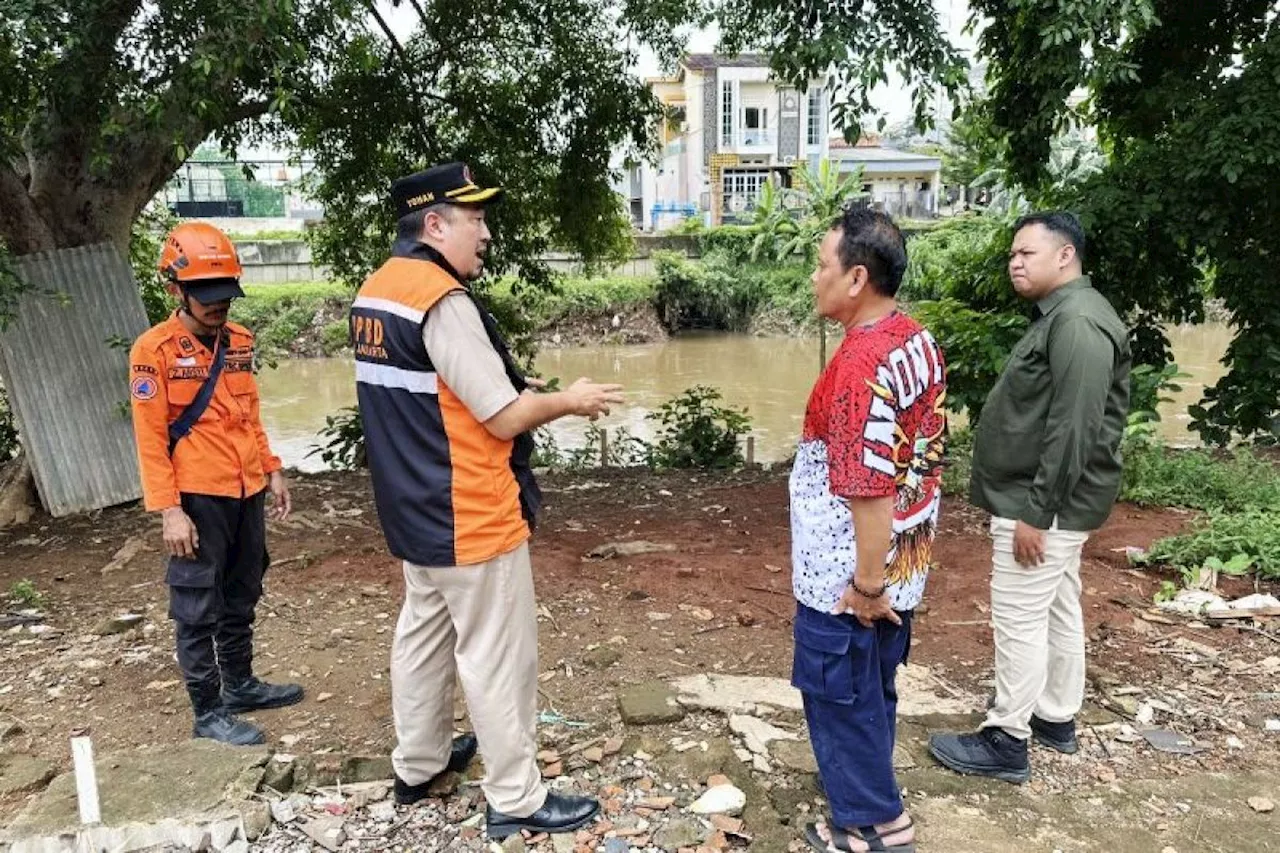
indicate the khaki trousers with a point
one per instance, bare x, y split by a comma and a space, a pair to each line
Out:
479, 625
1039, 631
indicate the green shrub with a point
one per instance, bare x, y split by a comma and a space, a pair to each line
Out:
732, 241
24, 593
9, 442
964, 258
335, 338
695, 431
958, 463
976, 345
714, 293
1232, 542
342, 441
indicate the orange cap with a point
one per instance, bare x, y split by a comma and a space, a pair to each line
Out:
197, 251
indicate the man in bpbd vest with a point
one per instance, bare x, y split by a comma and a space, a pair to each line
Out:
206, 467
447, 418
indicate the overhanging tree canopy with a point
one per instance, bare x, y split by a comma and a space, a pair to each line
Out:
1183, 96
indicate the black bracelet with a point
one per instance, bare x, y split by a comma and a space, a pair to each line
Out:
862, 592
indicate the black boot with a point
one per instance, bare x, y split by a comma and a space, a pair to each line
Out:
215, 722
247, 693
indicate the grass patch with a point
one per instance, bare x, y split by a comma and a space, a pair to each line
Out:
281, 315
573, 295
1155, 475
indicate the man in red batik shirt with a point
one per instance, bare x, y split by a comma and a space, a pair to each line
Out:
865, 490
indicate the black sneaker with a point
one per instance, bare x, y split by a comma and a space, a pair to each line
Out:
560, 813
221, 726
463, 750
1059, 736
989, 752
252, 694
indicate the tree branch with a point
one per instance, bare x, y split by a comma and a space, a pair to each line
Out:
406, 67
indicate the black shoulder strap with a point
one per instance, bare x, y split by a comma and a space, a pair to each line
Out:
178, 429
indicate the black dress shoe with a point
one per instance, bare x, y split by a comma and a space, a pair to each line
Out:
560, 813
254, 695
464, 749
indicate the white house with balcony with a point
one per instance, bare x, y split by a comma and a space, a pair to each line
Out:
729, 128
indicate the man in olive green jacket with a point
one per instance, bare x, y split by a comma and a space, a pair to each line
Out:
1046, 465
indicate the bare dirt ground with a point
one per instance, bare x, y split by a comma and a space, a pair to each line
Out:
717, 601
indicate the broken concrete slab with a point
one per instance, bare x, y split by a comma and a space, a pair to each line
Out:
184, 783
650, 703
796, 756
919, 694
736, 694
19, 773
756, 733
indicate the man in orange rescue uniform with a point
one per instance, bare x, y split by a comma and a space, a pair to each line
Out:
447, 416
206, 466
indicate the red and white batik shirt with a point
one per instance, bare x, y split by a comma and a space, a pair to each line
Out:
875, 426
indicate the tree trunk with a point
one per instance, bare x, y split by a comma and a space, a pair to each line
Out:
17, 492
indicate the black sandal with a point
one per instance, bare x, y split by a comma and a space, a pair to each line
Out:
867, 834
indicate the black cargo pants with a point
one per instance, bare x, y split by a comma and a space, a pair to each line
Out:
213, 596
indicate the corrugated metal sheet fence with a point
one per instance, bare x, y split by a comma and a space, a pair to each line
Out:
68, 386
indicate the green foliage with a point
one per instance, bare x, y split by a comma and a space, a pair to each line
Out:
9, 442
1198, 479
852, 42
282, 316
335, 337
964, 258
1182, 95
790, 224
695, 431
267, 236
976, 345
571, 296
24, 593
958, 463
713, 293
146, 239
733, 241
1231, 542
958, 288
541, 110
342, 441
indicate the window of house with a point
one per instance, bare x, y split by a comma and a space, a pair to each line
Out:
726, 113
815, 118
744, 184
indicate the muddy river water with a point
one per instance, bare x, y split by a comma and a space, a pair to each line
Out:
769, 377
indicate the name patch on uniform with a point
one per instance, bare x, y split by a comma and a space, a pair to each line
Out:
143, 388
188, 372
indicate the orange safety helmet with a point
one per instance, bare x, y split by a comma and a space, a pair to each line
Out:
197, 251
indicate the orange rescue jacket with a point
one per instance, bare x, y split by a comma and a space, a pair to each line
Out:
226, 453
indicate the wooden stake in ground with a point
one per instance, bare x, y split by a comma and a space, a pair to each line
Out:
86, 781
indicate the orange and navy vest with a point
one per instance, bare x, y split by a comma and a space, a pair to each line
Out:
448, 492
